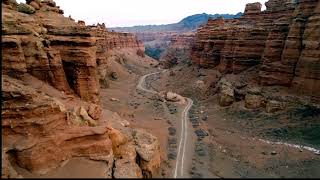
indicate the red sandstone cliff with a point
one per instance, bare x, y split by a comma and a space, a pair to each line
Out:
51, 110
282, 41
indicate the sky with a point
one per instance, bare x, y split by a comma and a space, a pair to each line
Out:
120, 13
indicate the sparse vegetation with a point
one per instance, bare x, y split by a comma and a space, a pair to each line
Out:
154, 52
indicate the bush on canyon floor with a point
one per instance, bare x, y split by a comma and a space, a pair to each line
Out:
155, 53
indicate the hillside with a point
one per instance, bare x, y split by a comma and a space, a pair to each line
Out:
189, 23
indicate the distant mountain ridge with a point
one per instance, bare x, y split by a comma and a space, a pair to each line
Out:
189, 23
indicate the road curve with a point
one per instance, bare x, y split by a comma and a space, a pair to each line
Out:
141, 83
178, 172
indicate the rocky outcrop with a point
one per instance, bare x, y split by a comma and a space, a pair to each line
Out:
137, 153
172, 97
178, 51
52, 48
226, 93
38, 132
122, 40
107, 41
253, 98
273, 106
210, 40
148, 152
307, 71
281, 41
50, 85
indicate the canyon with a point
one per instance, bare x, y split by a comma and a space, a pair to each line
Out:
157, 38
51, 109
234, 97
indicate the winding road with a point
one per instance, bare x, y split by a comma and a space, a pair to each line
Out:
179, 168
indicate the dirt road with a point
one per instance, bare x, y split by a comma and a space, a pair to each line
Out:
179, 167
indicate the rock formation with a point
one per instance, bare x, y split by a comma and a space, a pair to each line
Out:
107, 41
51, 48
282, 42
178, 51
51, 110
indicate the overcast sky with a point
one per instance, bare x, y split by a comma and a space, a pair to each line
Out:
142, 12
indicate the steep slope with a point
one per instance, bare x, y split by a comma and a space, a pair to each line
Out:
51, 108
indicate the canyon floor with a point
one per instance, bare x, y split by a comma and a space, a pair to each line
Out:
239, 98
221, 142
231, 141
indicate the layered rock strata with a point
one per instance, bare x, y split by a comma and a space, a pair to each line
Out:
50, 109
282, 41
178, 51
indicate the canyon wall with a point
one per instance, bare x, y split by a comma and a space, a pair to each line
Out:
282, 41
178, 51
58, 50
107, 41
51, 108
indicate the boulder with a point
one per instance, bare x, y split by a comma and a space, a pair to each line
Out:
252, 8
274, 106
170, 96
49, 3
253, 101
126, 169
226, 95
148, 152
126, 151
25, 8
114, 75
79, 116
254, 90
114, 99
117, 138
74, 118
81, 23
12, 3
253, 98
173, 97
35, 5
84, 115
94, 111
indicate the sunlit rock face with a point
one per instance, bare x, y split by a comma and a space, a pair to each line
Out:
282, 41
51, 108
